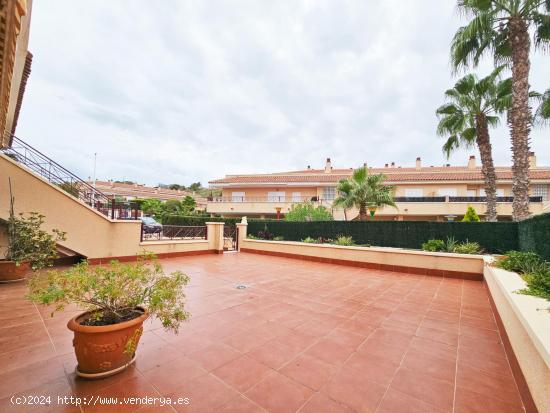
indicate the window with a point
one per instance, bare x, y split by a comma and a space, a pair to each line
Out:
414, 192
541, 190
237, 196
470, 192
276, 196
500, 192
329, 193
296, 197
446, 191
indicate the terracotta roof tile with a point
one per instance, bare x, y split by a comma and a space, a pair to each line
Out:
393, 175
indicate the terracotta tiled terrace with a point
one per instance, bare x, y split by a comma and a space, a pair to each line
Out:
304, 336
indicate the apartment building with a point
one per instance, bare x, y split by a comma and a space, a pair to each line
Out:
129, 192
421, 192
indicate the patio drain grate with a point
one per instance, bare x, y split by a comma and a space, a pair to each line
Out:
241, 286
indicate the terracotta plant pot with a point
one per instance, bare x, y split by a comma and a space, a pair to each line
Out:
9, 272
102, 351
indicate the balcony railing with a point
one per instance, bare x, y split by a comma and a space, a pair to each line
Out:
172, 232
272, 199
399, 199
36, 161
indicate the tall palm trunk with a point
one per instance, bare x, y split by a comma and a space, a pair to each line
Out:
362, 212
519, 117
487, 167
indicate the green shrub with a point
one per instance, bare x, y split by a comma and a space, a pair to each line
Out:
450, 244
521, 262
343, 240
470, 215
114, 292
538, 283
468, 248
308, 212
434, 245
279, 238
28, 242
309, 240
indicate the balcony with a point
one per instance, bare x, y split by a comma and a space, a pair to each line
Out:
418, 206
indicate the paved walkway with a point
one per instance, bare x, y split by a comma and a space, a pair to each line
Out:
303, 336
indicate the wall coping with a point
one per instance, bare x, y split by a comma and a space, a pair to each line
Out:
387, 250
531, 311
180, 241
214, 223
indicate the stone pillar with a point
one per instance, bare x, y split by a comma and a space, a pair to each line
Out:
241, 234
214, 231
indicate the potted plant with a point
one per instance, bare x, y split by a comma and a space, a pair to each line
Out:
117, 299
29, 247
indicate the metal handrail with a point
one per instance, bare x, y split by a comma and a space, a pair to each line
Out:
36, 161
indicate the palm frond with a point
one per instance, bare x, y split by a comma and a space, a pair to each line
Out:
542, 31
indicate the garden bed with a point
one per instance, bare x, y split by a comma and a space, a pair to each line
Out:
525, 327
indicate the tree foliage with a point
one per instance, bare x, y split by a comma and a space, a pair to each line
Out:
363, 190
470, 215
114, 292
308, 212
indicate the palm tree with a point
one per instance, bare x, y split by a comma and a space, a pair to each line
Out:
501, 27
362, 190
474, 106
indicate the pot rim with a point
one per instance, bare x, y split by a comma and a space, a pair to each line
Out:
75, 326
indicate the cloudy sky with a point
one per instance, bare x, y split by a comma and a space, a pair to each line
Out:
181, 91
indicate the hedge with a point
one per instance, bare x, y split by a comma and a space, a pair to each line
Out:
494, 237
534, 235
196, 220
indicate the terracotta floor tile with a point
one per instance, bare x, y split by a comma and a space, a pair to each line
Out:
438, 393
279, 394
245, 342
467, 401
297, 341
214, 356
353, 390
320, 403
309, 371
242, 373
397, 402
347, 329
240, 405
134, 387
206, 394
174, 374
330, 351
392, 352
446, 337
433, 366
377, 369
502, 387
273, 354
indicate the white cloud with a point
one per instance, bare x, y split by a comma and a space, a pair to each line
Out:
181, 91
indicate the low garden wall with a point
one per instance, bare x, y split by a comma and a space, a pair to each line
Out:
523, 322
391, 259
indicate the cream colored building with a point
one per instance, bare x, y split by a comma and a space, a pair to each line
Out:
421, 192
129, 192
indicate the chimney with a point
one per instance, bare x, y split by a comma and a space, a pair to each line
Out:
472, 162
364, 165
393, 164
532, 160
418, 163
309, 167
328, 166
385, 165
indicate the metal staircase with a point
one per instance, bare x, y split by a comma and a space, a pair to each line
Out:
36, 161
